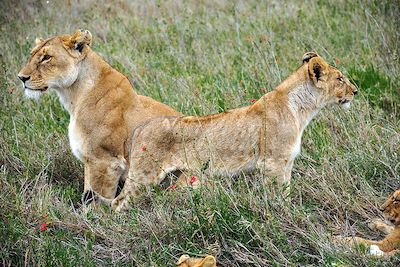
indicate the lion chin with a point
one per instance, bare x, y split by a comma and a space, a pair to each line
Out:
33, 94
346, 106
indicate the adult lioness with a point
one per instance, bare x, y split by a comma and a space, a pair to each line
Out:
265, 136
391, 243
102, 104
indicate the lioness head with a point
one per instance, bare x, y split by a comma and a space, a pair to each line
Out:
337, 87
391, 208
54, 62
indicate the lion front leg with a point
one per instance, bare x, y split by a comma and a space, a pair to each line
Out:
281, 170
88, 195
101, 178
353, 241
378, 224
385, 247
142, 172
287, 176
392, 253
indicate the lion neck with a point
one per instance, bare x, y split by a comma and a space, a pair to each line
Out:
304, 100
89, 71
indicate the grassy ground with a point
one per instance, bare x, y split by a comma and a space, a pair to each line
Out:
202, 57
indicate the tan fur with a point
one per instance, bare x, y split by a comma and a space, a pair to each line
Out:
263, 137
186, 261
391, 243
103, 107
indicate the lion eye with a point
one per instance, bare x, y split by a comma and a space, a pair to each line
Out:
340, 79
45, 58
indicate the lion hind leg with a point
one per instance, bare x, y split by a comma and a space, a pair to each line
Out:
122, 202
133, 187
352, 241
130, 190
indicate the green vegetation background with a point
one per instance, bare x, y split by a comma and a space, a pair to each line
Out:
202, 57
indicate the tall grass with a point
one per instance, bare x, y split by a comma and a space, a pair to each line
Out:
202, 57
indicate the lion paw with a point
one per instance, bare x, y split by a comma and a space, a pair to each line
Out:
378, 224
376, 251
120, 204
375, 224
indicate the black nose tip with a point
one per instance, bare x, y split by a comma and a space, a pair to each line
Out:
24, 78
355, 92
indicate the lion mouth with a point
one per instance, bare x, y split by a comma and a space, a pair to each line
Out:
34, 93
36, 89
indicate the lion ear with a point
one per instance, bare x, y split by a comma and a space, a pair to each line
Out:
208, 261
79, 41
38, 41
309, 55
317, 69
396, 195
182, 259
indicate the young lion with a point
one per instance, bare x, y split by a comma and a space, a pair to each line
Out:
186, 261
265, 136
103, 107
391, 243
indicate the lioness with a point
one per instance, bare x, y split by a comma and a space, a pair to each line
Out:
265, 136
103, 107
391, 243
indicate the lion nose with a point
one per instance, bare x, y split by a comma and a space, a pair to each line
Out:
355, 92
24, 78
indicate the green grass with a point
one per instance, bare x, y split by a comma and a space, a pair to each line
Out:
201, 58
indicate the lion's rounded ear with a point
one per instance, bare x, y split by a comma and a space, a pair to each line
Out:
85, 36
38, 41
182, 259
309, 55
317, 68
396, 195
209, 261
79, 41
